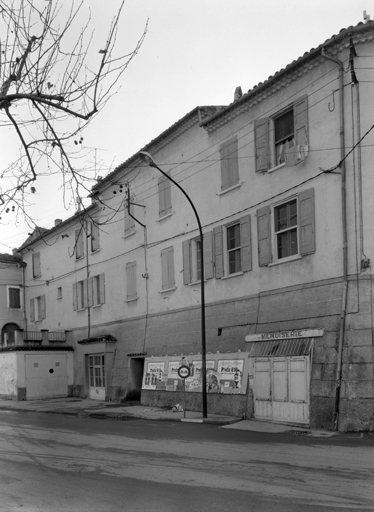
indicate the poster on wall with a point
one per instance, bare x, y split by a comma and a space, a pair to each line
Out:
174, 382
154, 375
194, 381
230, 373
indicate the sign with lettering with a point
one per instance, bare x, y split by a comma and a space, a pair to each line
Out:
283, 335
153, 375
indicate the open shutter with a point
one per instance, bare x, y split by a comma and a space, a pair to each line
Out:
102, 288
300, 112
262, 144
167, 264
42, 307
186, 248
79, 243
208, 255
164, 195
229, 163
307, 222
218, 251
95, 237
245, 243
264, 235
171, 272
75, 297
32, 310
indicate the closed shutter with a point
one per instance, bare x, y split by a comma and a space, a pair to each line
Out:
36, 267
129, 221
300, 112
75, 297
95, 237
79, 247
307, 222
245, 243
167, 264
264, 236
32, 310
92, 299
164, 195
218, 252
102, 288
229, 163
131, 280
262, 144
208, 255
42, 313
186, 249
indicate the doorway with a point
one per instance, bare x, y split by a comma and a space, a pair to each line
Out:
96, 363
136, 378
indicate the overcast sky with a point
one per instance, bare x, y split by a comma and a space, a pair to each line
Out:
196, 52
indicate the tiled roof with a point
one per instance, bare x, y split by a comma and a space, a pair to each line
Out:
9, 258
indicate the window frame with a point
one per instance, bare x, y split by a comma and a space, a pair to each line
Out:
131, 282
233, 250
79, 243
38, 310
95, 237
167, 269
278, 233
164, 197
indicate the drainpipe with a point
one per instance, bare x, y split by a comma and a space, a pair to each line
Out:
345, 243
24, 296
85, 231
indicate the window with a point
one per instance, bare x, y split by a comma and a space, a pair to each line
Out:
36, 267
131, 292
236, 239
38, 308
192, 259
282, 139
96, 287
129, 221
79, 243
229, 163
59, 292
287, 229
14, 297
80, 295
95, 237
167, 267
164, 196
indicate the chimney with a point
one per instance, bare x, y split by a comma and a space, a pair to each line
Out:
57, 222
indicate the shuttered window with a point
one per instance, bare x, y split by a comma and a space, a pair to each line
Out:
95, 237
14, 297
167, 266
79, 243
129, 221
36, 266
131, 291
96, 290
38, 308
229, 163
164, 196
192, 258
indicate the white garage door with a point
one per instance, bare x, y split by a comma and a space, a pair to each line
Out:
46, 376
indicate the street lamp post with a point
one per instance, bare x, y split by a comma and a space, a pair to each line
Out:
148, 159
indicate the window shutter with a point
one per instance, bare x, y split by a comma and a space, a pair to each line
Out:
36, 267
186, 248
167, 264
42, 307
79, 243
171, 267
32, 310
208, 255
300, 112
129, 221
95, 237
85, 294
307, 222
131, 292
245, 243
92, 300
229, 163
164, 195
218, 251
264, 235
75, 296
262, 144
102, 288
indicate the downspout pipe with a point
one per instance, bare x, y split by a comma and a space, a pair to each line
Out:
345, 238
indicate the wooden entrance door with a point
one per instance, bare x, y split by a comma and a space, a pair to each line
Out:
96, 364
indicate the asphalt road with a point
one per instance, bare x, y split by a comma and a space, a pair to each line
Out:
51, 462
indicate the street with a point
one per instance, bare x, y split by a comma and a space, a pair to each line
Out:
56, 462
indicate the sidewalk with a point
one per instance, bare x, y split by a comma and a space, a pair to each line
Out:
97, 409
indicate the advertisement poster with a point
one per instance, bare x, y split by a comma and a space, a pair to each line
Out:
174, 382
154, 375
230, 373
194, 381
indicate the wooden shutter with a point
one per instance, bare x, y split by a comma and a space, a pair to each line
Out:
32, 310
102, 288
306, 222
92, 298
79, 243
262, 144
85, 293
75, 297
300, 112
245, 243
95, 237
131, 292
129, 221
186, 248
42, 313
167, 264
218, 252
264, 236
164, 196
208, 255
36, 267
229, 163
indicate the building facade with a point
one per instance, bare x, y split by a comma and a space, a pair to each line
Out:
281, 180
